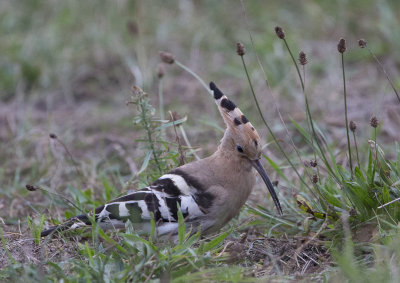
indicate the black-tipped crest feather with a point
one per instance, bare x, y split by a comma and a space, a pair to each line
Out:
228, 104
217, 93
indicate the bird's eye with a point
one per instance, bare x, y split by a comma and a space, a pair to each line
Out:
239, 148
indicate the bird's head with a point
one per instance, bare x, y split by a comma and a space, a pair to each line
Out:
244, 140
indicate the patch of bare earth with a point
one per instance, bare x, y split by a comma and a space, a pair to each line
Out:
23, 249
279, 256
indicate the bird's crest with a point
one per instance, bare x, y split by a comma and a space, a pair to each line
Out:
233, 117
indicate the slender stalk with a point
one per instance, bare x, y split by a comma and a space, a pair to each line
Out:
33, 188
345, 115
309, 119
384, 71
268, 127
191, 151
376, 157
355, 143
295, 64
194, 75
74, 163
161, 103
161, 100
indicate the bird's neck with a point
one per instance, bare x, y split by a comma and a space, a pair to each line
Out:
227, 142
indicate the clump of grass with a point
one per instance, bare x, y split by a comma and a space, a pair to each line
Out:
358, 193
36, 228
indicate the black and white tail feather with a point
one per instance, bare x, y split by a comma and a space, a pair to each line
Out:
162, 198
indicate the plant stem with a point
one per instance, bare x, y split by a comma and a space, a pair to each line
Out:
194, 75
191, 151
59, 196
310, 121
345, 114
376, 157
384, 71
161, 103
149, 136
355, 143
295, 64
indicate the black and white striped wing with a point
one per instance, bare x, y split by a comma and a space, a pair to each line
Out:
163, 198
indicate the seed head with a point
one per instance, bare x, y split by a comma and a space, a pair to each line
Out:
374, 122
240, 50
275, 183
362, 43
302, 58
30, 188
314, 178
353, 126
132, 27
167, 57
341, 45
279, 32
52, 136
160, 71
313, 163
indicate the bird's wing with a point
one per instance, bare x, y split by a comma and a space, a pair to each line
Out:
162, 198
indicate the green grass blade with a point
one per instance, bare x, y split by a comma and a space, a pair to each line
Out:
145, 162
169, 124
216, 241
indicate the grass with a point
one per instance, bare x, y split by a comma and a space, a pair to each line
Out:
67, 70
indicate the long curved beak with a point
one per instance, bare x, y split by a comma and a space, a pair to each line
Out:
260, 169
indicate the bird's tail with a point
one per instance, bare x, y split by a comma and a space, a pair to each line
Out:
70, 224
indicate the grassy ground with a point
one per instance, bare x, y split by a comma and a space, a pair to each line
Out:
67, 69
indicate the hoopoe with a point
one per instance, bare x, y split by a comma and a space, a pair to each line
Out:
209, 192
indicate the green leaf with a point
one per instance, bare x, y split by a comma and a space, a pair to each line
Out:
145, 162
153, 227
108, 189
181, 228
277, 169
329, 195
370, 170
259, 211
216, 241
302, 131
109, 240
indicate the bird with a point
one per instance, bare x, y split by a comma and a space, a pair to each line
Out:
208, 192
